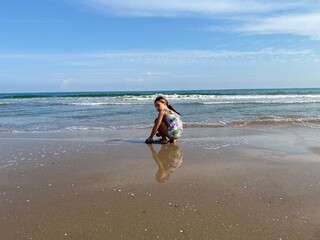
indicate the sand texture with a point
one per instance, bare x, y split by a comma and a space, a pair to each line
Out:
227, 184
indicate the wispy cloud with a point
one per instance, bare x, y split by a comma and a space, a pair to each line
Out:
136, 59
165, 8
298, 24
142, 58
66, 83
297, 17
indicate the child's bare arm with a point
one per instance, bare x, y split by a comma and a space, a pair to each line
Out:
156, 126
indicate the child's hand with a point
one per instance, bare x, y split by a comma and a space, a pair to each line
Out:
149, 140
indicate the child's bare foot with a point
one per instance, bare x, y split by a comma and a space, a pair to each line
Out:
163, 141
173, 140
148, 140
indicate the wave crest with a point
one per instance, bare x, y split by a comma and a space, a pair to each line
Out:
253, 122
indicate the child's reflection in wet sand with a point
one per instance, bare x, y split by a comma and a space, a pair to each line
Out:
168, 159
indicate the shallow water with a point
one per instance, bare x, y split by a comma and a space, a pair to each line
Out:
97, 111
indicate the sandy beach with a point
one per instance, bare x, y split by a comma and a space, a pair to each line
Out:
257, 182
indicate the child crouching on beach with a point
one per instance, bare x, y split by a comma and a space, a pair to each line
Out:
168, 124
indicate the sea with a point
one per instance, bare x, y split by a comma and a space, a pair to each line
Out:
124, 110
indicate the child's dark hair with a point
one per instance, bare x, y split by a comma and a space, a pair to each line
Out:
165, 101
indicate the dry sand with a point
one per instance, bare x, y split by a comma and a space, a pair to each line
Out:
229, 184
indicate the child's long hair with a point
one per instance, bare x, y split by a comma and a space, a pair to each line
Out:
165, 101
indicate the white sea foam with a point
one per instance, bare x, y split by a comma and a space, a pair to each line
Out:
309, 121
100, 103
82, 128
266, 101
213, 96
134, 110
210, 99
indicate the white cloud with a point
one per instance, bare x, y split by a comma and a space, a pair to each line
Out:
115, 59
297, 17
203, 8
299, 24
66, 83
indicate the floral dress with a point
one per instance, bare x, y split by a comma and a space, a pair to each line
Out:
174, 124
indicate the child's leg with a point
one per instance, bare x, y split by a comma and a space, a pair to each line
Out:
163, 130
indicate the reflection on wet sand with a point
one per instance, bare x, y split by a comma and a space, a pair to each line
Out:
168, 159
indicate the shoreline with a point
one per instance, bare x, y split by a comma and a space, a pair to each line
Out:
233, 183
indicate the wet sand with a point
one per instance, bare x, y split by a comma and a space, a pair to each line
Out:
246, 183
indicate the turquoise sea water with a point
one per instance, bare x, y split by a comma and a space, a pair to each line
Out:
98, 111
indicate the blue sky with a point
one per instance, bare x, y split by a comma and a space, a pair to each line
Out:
107, 45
